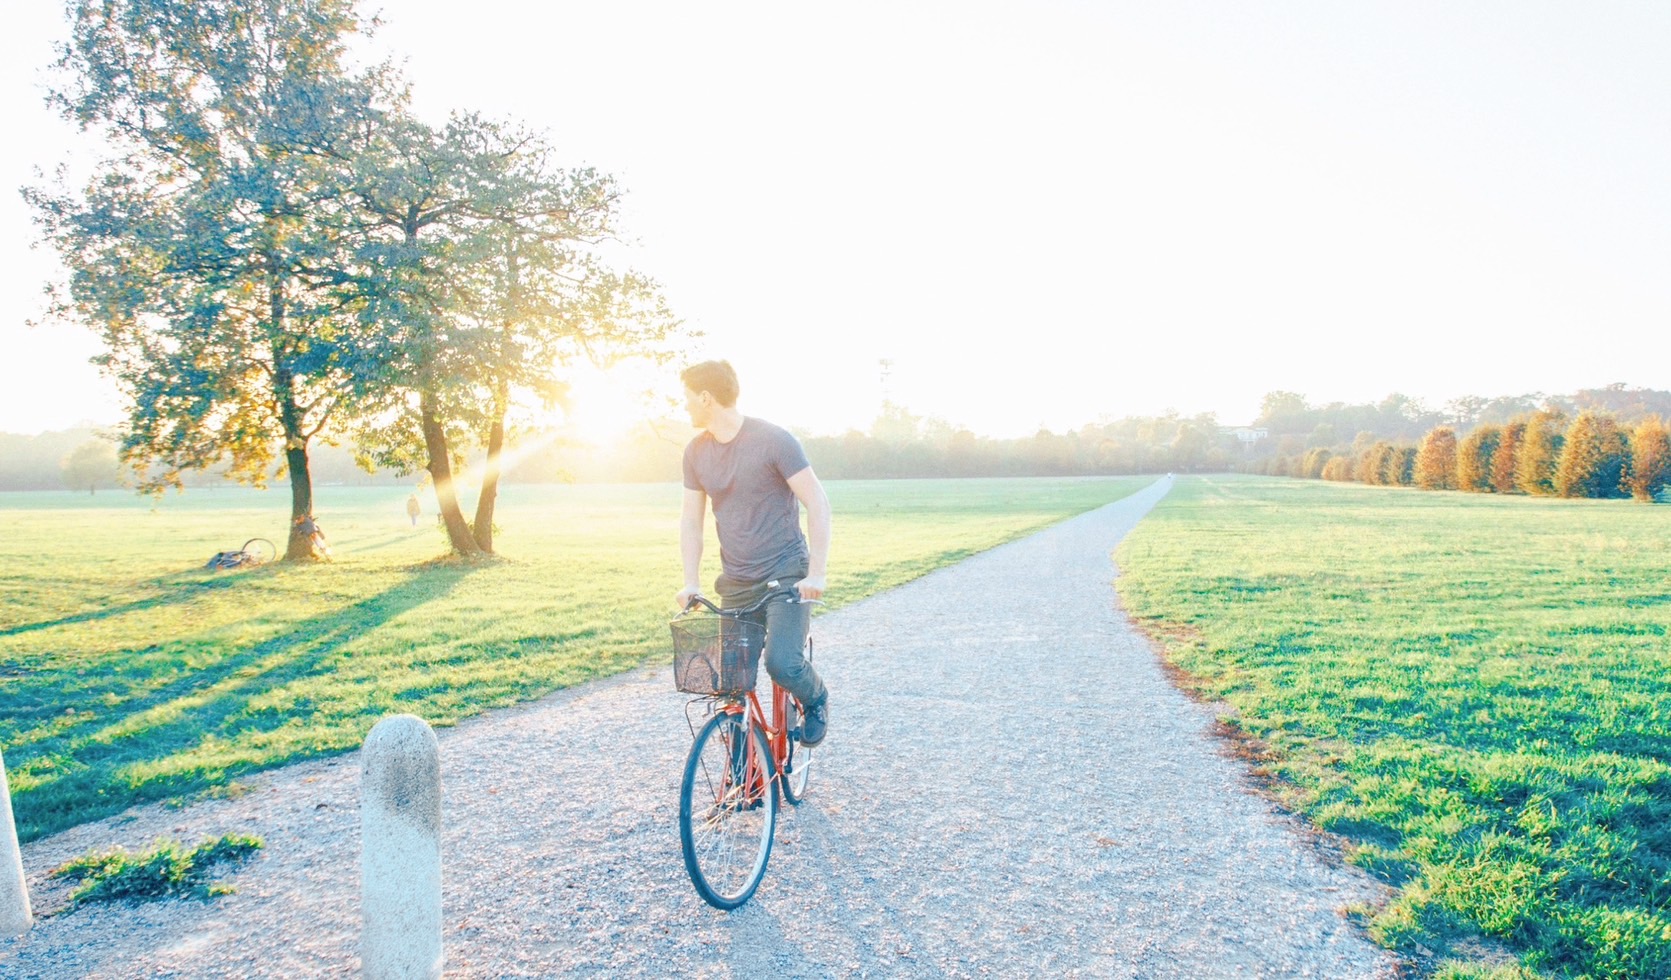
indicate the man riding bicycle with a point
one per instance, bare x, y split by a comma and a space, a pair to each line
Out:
758, 477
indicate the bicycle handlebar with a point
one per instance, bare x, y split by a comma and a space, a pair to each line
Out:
789, 595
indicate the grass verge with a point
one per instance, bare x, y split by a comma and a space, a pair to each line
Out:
1473, 691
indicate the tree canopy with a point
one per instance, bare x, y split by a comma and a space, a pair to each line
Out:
277, 251
206, 250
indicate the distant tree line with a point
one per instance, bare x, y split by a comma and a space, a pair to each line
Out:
899, 444
43, 462
278, 254
902, 445
1594, 453
85, 459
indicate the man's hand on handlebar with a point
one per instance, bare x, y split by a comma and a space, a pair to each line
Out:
807, 590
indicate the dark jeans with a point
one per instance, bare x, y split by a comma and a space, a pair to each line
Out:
786, 625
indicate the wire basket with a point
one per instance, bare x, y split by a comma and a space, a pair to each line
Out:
716, 654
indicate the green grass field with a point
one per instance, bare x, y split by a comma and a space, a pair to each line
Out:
1474, 691
128, 673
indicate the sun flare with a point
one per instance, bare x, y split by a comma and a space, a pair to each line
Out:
605, 404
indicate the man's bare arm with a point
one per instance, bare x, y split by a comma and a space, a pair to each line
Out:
811, 494
690, 542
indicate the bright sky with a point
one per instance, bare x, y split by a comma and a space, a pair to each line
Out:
1046, 212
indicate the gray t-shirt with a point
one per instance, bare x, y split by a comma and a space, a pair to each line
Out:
755, 512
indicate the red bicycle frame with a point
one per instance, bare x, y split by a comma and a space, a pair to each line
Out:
777, 737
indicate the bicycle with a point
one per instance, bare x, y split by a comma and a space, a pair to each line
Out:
741, 759
256, 551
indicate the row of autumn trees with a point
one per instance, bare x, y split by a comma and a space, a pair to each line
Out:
1544, 453
277, 252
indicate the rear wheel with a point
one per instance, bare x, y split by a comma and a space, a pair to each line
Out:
259, 551
727, 810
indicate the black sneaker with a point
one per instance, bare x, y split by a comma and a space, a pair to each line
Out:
813, 723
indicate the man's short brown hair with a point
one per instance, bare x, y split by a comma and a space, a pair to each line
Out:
715, 377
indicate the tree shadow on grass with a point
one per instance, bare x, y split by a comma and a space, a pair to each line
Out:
82, 771
177, 591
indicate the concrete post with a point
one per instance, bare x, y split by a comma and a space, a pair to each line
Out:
400, 851
15, 915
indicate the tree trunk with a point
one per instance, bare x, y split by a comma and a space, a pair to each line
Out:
490, 474
441, 472
300, 546
489, 497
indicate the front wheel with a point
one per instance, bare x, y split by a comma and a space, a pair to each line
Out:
727, 810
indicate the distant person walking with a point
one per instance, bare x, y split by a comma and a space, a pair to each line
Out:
755, 473
413, 508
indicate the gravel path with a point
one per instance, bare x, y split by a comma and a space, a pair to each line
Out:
1010, 787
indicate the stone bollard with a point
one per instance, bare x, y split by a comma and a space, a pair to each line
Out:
400, 851
15, 916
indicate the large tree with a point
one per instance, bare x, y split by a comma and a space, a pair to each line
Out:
542, 305
206, 249
483, 285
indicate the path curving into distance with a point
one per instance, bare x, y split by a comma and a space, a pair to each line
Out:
1010, 787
